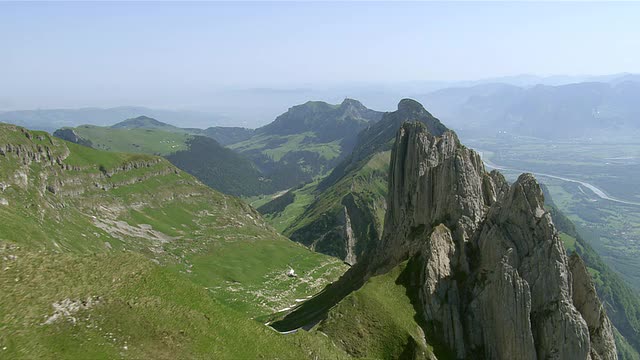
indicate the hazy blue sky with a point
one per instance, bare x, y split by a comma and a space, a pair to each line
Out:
82, 54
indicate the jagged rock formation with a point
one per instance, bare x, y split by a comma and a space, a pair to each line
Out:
72, 136
494, 275
586, 301
491, 276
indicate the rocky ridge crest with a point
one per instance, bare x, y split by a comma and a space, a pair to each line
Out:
489, 274
493, 276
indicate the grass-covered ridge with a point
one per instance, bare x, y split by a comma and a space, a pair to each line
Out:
307, 141
156, 141
213, 164
377, 321
136, 250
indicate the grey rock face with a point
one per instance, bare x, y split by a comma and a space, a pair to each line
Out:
494, 278
71, 136
432, 180
586, 301
351, 257
518, 238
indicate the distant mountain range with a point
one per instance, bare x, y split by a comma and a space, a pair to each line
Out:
255, 107
602, 110
52, 119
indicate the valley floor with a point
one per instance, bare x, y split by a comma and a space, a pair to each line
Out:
594, 184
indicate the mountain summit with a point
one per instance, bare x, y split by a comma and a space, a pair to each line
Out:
306, 141
489, 275
144, 122
328, 122
348, 212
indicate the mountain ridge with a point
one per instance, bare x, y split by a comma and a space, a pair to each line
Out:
348, 211
213, 164
451, 245
306, 141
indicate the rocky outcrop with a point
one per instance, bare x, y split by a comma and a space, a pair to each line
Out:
71, 136
586, 301
518, 240
494, 278
32, 153
433, 180
351, 257
490, 275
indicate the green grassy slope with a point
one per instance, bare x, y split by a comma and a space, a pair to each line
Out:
145, 122
225, 135
222, 134
138, 140
216, 166
378, 321
166, 267
320, 224
307, 141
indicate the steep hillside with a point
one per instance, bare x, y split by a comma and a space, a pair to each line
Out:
123, 255
378, 321
348, 211
488, 274
306, 141
216, 166
220, 168
225, 135
221, 134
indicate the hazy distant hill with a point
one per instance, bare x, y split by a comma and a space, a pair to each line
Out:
145, 122
222, 134
225, 135
605, 110
52, 119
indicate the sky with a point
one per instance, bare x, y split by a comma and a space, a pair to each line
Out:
71, 54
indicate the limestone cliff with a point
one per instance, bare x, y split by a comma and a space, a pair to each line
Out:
494, 280
490, 276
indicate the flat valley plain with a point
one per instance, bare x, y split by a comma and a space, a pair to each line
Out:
612, 227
